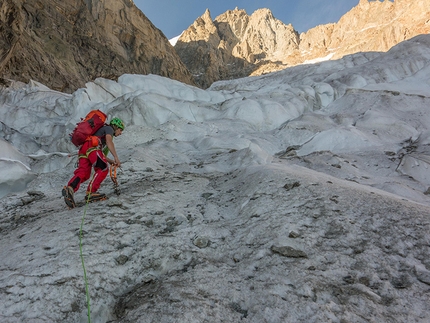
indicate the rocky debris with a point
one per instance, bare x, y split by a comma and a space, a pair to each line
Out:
121, 260
290, 186
207, 195
201, 242
33, 196
66, 44
293, 234
368, 251
288, 251
235, 44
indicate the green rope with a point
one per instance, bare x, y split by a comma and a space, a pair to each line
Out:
82, 260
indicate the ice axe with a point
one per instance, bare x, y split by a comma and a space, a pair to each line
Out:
112, 174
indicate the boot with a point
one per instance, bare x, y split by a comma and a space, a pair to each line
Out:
93, 197
68, 194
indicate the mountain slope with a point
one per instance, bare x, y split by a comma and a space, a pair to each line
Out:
298, 196
64, 44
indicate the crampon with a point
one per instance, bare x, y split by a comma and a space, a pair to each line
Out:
94, 197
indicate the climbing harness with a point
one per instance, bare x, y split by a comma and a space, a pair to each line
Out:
89, 151
112, 174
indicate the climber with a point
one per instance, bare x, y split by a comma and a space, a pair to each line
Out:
93, 153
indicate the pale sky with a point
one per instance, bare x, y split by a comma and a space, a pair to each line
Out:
174, 16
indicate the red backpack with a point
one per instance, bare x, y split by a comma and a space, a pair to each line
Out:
94, 120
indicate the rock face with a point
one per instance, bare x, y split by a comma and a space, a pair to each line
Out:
64, 44
236, 45
370, 26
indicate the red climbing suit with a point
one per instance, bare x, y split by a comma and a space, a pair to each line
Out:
90, 157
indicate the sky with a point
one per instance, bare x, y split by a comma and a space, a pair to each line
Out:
174, 16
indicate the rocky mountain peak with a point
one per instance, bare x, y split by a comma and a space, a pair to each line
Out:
202, 26
234, 21
370, 26
260, 43
205, 19
263, 13
238, 43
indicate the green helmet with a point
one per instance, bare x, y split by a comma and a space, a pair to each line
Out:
117, 122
